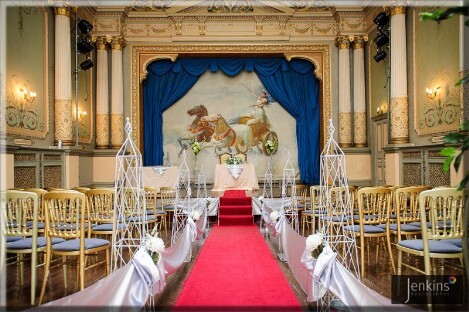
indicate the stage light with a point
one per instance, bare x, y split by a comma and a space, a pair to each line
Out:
381, 55
85, 26
87, 64
381, 19
381, 40
84, 46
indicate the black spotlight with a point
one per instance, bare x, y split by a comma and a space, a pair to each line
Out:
381, 55
87, 64
381, 19
381, 40
84, 46
85, 26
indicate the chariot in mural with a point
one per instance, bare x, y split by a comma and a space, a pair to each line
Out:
241, 133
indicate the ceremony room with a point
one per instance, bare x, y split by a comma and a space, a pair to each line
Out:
241, 155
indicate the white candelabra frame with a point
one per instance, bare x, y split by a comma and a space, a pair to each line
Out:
266, 193
289, 208
182, 207
129, 202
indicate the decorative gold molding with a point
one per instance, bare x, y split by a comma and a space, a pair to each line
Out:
397, 10
63, 121
117, 130
62, 11
359, 126
343, 42
101, 43
359, 42
345, 129
141, 54
399, 120
144, 72
117, 43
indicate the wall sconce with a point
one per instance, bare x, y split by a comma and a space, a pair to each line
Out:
431, 93
82, 114
382, 109
28, 97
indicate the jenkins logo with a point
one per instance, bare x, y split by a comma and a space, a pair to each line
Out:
452, 280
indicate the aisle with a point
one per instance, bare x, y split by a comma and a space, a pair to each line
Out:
235, 269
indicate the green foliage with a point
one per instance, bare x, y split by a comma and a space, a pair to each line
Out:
461, 139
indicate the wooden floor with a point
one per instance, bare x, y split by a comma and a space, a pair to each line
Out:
378, 277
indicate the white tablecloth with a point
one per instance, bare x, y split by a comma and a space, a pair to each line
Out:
153, 179
223, 180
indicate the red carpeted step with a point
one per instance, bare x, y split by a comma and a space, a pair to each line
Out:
234, 193
235, 201
235, 271
235, 220
235, 210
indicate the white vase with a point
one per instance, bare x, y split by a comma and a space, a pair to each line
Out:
235, 170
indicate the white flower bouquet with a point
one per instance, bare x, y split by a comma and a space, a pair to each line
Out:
196, 146
208, 202
154, 245
195, 215
315, 244
234, 160
274, 215
271, 145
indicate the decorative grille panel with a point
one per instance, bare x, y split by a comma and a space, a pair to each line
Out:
436, 175
25, 157
52, 177
52, 157
435, 154
25, 177
412, 174
412, 155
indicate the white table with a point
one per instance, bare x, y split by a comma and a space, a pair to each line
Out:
247, 180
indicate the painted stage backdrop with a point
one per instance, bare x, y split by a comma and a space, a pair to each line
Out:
229, 114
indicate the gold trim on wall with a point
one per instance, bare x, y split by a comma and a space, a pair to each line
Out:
142, 55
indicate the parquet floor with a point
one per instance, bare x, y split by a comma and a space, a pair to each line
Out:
378, 277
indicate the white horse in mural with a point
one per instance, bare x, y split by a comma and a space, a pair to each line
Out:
226, 136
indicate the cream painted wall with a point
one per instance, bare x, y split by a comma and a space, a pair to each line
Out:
392, 175
105, 168
358, 166
7, 176
72, 169
86, 170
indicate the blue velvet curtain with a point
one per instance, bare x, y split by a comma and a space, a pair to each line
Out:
292, 84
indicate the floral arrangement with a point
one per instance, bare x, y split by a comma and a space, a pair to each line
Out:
315, 244
195, 215
261, 198
274, 215
271, 145
234, 160
154, 245
196, 146
208, 202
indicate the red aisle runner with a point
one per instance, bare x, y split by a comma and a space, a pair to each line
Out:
235, 269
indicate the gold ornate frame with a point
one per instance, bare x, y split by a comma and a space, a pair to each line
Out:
142, 55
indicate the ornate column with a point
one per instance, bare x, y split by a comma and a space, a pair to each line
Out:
63, 78
102, 95
359, 107
464, 66
117, 94
345, 111
399, 106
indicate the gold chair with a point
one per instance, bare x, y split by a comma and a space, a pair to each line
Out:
65, 214
373, 209
136, 215
168, 200
20, 212
101, 211
40, 212
223, 157
152, 207
340, 197
81, 189
442, 231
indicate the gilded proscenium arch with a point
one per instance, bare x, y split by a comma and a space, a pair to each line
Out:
142, 55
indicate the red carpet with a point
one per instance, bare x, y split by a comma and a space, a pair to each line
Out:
236, 270
235, 209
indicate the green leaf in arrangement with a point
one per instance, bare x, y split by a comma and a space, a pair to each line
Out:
464, 181
457, 161
463, 80
464, 126
454, 137
448, 151
447, 163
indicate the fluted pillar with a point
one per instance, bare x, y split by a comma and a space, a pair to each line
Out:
63, 78
102, 95
464, 67
345, 111
117, 94
399, 106
359, 107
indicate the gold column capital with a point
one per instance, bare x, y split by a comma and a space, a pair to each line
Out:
101, 42
359, 42
398, 9
343, 42
62, 11
117, 43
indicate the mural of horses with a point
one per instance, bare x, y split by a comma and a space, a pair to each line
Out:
198, 130
226, 136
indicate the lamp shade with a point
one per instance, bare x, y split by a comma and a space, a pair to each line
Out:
85, 26
381, 19
84, 46
87, 64
381, 40
381, 55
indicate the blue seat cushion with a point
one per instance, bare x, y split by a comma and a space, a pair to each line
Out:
27, 243
404, 227
106, 227
308, 211
13, 238
366, 217
429, 224
435, 246
168, 207
300, 205
454, 241
40, 225
138, 218
366, 229
74, 244
150, 212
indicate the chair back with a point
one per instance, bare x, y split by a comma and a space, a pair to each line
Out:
81, 189
445, 213
100, 205
151, 196
40, 212
406, 200
168, 196
300, 195
132, 196
339, 197
65, 213
19, 207
373, 205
